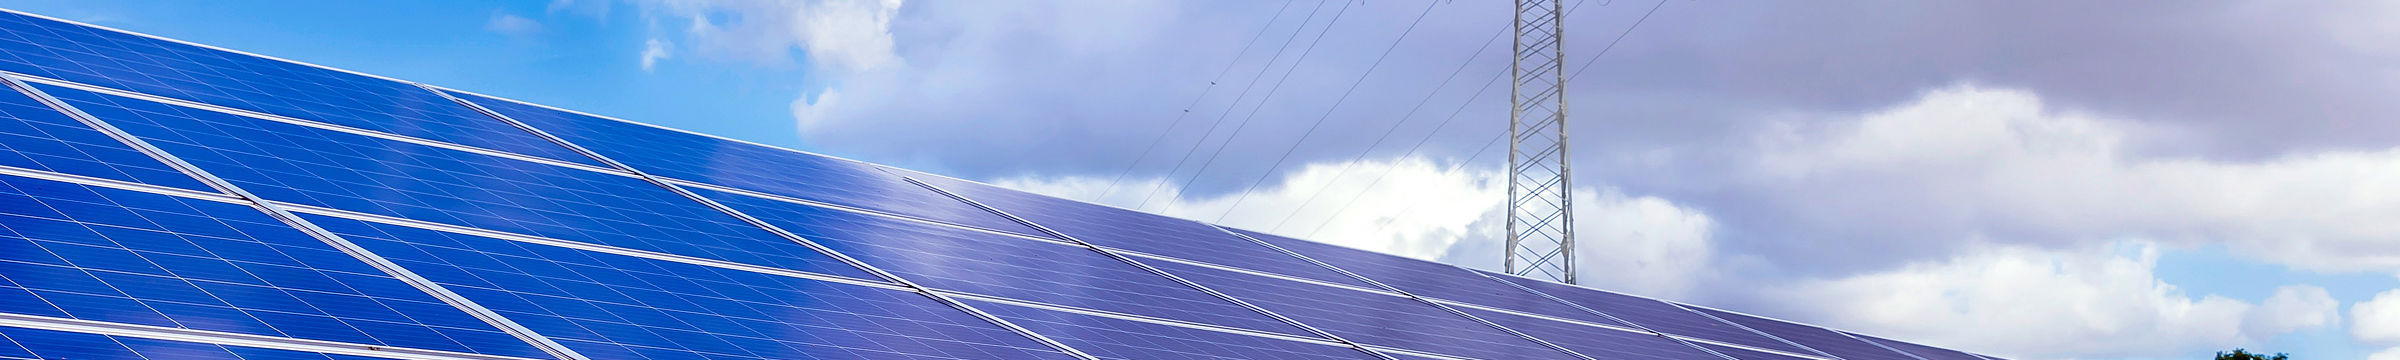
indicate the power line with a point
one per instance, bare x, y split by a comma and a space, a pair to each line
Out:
1262, 104
1237, 98
1387, 132
1187, 109
1612, 44
1487, 146
1337, 105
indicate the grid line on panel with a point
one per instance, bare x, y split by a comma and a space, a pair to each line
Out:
1120, 338
762, 224
120, 185
1686, 340
279, 161
42, 344
309, 123
1424, 279
1134, 317
60, 49
1831, 343
1373, 317
1163, 273
1658, 315
1143, 255
9, 320
1027, 234
279, 214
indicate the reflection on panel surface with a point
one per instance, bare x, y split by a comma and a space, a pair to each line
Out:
608, 306
1654, 314
72, 251
1430, 279
291, 163
1369, 318
999, 265
1111, 338
1142, 232
1922, 351
686, 156
34, 136
47, 48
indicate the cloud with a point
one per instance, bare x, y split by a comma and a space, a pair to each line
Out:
1970, 162
2377, 321
1639, 244
2025, 302
837, 35
2386, 354
654, 50
512, 25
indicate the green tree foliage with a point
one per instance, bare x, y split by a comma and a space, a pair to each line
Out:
2240, 354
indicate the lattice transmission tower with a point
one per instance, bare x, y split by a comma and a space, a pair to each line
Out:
1541, 222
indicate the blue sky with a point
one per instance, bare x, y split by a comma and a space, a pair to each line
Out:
2035, 180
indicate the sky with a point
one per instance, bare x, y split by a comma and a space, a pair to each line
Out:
2037, 180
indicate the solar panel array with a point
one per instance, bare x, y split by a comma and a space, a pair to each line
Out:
161, 199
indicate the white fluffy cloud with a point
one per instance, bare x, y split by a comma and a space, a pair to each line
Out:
839, 35
652, 51
2377, 320
1997, 164
1645, 245
2032, 303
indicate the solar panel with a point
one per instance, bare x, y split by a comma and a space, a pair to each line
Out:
1921, 351
608, 306
437, 227
1592, 341
1828, 341
34, 136
1113, 338
687, 156
1654, 314
1368, 317
80, 252
1430, 279
322, 168
1001, 265
1140, 232
57, 50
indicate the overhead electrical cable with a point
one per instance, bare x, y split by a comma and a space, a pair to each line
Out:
1187, 109
1262, 104
1337, 105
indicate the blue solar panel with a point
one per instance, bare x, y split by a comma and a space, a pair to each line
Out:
57, 50
999, 265
317, 167
34, 136
1141, 232
1430, 279
1921, 351
608, 306
1369, 318
1111, 338
1595, 342
1654, 314
80, 252
22, 343
1747, 354
1813, 337
686, 156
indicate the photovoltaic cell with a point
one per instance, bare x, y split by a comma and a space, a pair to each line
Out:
686, 156
58, 50
1141, 232
1813, 337
22, 343
1594, 342
1430, 279
1369, 318
1653, 314
608, 306
1111, 338
73, 251
35, 136
309, 166
1922, 351
998, 265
